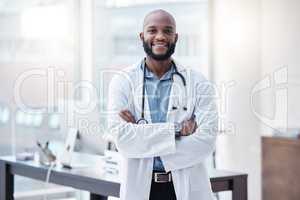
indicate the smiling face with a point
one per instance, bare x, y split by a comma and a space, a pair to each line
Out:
159, 35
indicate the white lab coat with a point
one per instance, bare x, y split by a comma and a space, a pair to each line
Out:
138, 144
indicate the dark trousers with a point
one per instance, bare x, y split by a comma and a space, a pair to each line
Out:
162, 191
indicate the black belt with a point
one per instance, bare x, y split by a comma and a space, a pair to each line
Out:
162, 177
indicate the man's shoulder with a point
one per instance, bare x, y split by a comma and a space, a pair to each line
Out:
132, 69
201, 83
126, 75
194, 74
198, 80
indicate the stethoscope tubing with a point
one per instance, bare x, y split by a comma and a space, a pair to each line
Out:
142, 120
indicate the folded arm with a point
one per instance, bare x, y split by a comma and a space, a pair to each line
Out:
133, 140
195, 148
196, 143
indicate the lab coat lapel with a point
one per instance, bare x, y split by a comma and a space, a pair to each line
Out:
147, 109
171, 112
177, 97
175, 101
138, 95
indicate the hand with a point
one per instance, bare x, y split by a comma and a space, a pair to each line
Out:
188, 127
127, 116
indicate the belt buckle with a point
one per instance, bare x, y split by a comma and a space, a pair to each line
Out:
156, 178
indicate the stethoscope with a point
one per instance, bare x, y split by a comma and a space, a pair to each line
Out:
142, 120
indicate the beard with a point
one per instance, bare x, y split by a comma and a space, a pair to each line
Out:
161, 57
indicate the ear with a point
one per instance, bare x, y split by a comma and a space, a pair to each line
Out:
176, 37
142, 36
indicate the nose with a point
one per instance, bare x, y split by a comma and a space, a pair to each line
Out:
160, 36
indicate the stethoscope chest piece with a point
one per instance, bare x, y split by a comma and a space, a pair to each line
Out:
142, 121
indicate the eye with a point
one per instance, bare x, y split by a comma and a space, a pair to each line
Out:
151, 31
168, 31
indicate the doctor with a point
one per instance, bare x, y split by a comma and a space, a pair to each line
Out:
163, 120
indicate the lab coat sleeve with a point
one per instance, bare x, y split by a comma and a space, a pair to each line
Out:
133, 140
195, 148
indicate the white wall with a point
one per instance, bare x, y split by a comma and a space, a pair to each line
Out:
236, 57
281, 47
253, 41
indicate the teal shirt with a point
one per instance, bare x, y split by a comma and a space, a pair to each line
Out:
158, 92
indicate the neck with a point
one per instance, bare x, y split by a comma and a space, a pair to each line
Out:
159, 68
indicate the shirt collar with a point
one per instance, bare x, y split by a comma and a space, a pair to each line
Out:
151, 75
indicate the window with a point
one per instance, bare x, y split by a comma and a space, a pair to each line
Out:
35, 34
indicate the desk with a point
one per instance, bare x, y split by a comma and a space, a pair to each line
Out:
100, 184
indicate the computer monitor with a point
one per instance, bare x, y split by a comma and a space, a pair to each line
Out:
90, 126
53, 125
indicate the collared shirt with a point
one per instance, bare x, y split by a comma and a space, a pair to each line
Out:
158, 92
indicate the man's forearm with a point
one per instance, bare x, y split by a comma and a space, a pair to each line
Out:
143, 140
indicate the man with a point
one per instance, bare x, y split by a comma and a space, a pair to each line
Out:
163, 121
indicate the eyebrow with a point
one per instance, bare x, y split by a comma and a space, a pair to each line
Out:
166, 27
